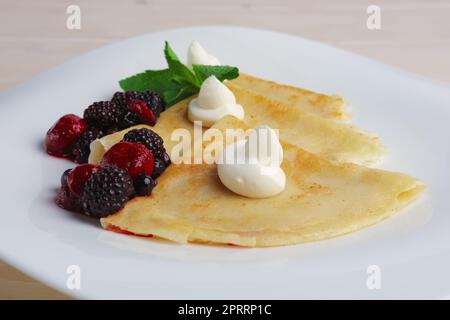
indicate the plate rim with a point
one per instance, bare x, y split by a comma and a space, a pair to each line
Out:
51, 282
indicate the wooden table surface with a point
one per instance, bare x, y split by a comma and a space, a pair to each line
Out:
414, 35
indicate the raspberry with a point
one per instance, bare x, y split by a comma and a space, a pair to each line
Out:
62, 135
103, 114
143, 185
132, 157
152, 99
81, 148
77, 177
150, 139
106, 192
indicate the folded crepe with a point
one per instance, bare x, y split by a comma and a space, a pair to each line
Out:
327, 106
322, 199
327, 138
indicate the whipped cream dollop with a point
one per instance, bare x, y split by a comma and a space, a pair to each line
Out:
251, 167
214, 101
198, 55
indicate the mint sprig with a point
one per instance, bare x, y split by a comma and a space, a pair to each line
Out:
221, 72
177, 82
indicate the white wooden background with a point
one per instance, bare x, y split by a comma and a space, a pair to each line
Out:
414, 35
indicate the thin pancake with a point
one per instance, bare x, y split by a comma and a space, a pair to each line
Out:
327, 106
326, 138
321, 200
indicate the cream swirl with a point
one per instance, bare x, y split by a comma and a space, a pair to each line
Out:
198, 55
214, 101
251, 167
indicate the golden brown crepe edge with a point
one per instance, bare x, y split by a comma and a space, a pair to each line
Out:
327, 106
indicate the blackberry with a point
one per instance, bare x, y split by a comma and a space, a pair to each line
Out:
106, 192
150, 139
130, 119
166, 159
81, 150
144, 184
153, 100
112, 130
158, 168
103, 114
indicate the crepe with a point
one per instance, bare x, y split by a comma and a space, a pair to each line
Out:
321, 200
327, 138
327, 106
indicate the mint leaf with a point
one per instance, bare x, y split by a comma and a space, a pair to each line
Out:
173, 96
177, 82
169, 53
184, 74
203, 72
155, 80
164, 82
181, 71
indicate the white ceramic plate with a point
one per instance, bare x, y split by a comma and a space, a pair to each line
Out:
411, 115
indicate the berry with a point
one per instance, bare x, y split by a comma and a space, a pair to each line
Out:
158, 168
138, 113
103, 114
132, 157
81, 148
64, 177
143, 185
152, 99
166, 159
77, 177
67, 200
148, 138
130, 119
62, 135
112, 130
106, 192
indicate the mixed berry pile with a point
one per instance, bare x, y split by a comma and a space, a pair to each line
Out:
71, 135
128, 169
